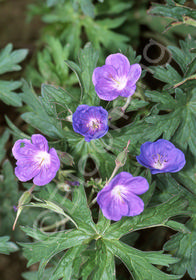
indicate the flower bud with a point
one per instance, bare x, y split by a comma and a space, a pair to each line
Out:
24, 199
122, 157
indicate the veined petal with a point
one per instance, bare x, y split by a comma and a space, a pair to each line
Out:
113, 207
116, 209
40, 142
48, 172
23, 148
138, 185
128, 90
136, 205
105, 90
55, 162
104, 72
120, 62
26, 171
134, 73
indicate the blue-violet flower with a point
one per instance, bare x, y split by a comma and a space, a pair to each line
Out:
120, 197
90, 121
35, 160
161, 157
116, 78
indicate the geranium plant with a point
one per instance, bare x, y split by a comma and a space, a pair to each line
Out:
105, 160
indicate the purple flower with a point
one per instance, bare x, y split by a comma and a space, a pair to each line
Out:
161, 157
35, 160
119, 198
116, 78
90, 121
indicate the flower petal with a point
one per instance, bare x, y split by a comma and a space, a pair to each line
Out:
136, 205
113, 208
119, 62
105, 90
23, 148
137, 185
134, 73
40, 142
47, 173
128, 90
104, 72
26, 170
175, 162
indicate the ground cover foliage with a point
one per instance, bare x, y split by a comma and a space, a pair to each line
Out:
60, 226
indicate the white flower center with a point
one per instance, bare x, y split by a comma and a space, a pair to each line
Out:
117, 192
42, 158
159, 161
120, 83
93, 124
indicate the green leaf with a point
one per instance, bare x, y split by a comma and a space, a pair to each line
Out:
179, 124
140, 263
87, 7
7, 94
51, 65
50, 245
104, 262
9, 59
3, 140
184, 247
39, 117
7, 247
9, 195
151, 217
174, 11
94, 150
32, 275
88, 60
65, 268
58, 96
51, 3
15, 131
43, 123
81, 215
185, 135
184, 58
103, 224
168, 74
136, 104
187, 176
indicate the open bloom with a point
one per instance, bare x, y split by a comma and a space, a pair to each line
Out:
161, 156
120, 197
116, 78
90, 121
35, 160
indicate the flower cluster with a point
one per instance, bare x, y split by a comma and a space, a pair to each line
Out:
90, 121
35, 160
120, 197
116, 78
161, 156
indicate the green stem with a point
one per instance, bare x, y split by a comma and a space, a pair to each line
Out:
93, 202
126, 104
113, 173
91, 195
55, 225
